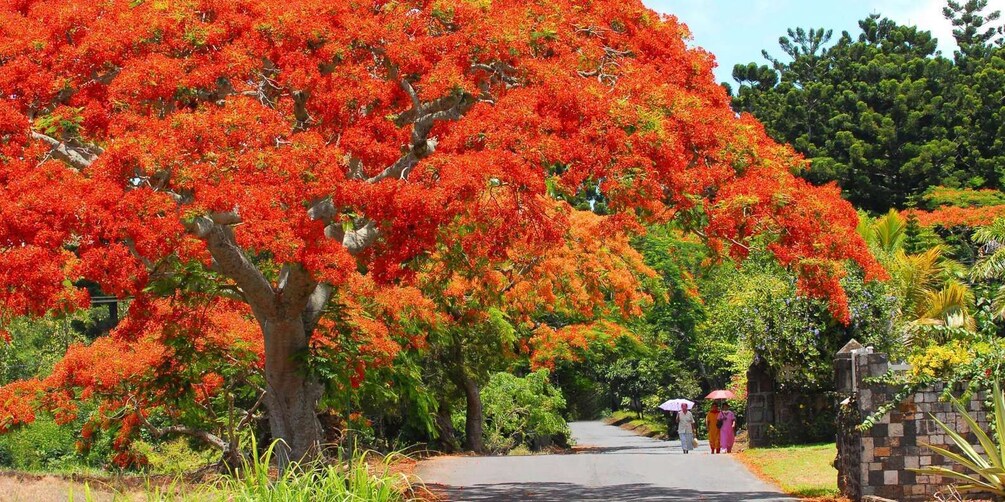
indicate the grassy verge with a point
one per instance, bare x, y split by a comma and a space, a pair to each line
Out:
366, 477
804, 471
654, 427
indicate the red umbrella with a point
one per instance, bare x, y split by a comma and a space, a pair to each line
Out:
720, 394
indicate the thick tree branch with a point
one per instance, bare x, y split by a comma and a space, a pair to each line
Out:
294, 288
356, 241
225, 218
422, 117
437, 105
499, 72
78, 156
316, 306
207, 437
234, 264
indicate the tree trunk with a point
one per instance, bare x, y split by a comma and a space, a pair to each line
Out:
474, 423
445, 427
291, 395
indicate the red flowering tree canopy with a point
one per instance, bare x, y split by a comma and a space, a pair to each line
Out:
285, 147
589, 276
128, 128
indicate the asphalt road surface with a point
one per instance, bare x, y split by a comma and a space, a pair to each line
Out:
611, 464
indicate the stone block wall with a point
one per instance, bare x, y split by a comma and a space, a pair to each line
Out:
778, 416
760, 405
876, 462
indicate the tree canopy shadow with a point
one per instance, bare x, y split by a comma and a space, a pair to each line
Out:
570, 491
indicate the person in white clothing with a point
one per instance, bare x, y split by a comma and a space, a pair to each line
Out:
685, 428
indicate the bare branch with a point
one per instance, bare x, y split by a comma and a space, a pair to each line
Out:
251, 412
136, 254
356, 169
78, 156
704, 236
426, 115
358, 240
407, 87
205, 436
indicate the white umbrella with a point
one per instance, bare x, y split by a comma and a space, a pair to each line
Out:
674, 404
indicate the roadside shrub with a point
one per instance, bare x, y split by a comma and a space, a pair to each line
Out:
41, 445
174, 457
523, 411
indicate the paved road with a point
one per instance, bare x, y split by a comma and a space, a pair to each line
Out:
612, 464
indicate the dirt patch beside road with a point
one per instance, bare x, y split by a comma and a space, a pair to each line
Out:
20, 487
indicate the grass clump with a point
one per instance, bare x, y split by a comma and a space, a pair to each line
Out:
654, 427
359, 479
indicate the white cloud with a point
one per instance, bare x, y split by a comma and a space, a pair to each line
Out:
927, 15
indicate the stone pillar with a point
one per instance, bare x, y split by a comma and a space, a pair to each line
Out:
760, 404
877, 462
849, 441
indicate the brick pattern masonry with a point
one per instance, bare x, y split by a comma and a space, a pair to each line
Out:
876, 462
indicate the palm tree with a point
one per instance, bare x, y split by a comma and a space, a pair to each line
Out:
928, 283
888, 233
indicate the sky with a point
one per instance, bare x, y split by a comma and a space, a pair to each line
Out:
735, 31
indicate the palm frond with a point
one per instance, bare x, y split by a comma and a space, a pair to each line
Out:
949, 306
917, 276
995, 232
888, 232
990, 266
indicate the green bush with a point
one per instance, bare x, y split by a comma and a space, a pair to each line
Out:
523, 411
174, 457
40, 445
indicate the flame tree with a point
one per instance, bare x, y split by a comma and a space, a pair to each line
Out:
286, 147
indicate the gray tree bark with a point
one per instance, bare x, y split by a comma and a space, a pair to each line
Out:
291, 394
474, 425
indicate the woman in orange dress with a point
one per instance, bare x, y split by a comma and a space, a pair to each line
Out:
711, 422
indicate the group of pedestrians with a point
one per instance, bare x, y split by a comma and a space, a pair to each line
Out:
721, 425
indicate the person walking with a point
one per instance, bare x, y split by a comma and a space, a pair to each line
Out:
727, 431
685, 428
712, 425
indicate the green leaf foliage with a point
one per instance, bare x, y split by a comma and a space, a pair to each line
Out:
883, 114
522, 411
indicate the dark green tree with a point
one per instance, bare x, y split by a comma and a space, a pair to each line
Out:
972, 28
881, 112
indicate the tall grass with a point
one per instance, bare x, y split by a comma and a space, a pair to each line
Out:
361, 479
357, 480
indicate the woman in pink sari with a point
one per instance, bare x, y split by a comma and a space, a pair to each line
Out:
727, 432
